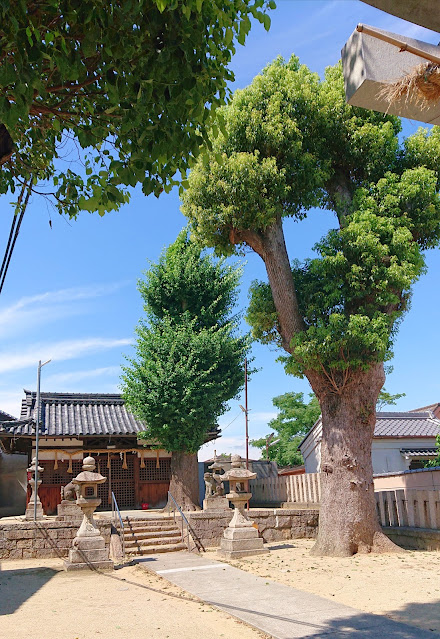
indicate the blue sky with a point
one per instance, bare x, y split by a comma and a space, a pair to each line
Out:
70, 294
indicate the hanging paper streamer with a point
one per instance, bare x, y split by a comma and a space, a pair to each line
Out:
124, 464
157, 459
142, 460
69, 469
55, 466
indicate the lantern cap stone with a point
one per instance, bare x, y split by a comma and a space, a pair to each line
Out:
89, 463
88, 476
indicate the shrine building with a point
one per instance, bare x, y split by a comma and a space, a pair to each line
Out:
75, 425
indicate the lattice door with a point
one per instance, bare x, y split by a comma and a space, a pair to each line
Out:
119, 480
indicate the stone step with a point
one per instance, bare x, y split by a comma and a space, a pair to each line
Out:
146, 524
147, 534
153, 541
151, 524
150, 550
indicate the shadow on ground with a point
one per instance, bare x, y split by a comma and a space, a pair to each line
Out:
362, 625
16, 586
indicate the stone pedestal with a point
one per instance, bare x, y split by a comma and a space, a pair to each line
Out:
29, 515
240, 538
215, 503
69, 511
88, 552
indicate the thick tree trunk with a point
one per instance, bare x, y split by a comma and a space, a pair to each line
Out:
184, 483
348, 521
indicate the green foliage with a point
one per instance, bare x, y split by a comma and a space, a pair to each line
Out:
189, 357
291, 143
134, 84
386, 399
292, 424
434, 463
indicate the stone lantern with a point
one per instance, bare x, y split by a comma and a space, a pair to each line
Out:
88, 548
240, 538
30, 508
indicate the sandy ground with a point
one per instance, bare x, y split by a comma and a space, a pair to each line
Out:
39, 599
403, 586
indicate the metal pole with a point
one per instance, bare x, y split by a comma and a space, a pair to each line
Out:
37, 433
246, 411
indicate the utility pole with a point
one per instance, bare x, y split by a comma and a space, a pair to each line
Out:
246, 411
37, 432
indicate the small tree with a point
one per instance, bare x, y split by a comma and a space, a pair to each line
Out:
293, 422
292, 143
189, 357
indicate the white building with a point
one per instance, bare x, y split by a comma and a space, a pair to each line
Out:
400, 442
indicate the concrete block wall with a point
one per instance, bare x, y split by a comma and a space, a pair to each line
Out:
26, 540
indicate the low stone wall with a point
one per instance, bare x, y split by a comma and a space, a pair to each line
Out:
414, 538
23, 540
274, 524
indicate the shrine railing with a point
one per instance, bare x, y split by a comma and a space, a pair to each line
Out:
188, 533
304, 490
118, 523
409, 508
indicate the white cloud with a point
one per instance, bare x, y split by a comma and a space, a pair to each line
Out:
72, 378
10, 402
49, 306
227, 445
57, 351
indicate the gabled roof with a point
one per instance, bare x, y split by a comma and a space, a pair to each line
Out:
397, 424
77, 415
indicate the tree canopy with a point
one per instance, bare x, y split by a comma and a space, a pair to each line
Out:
189, 355
134, 85
293, 143
294, 420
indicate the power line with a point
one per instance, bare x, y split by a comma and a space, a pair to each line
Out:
13, 234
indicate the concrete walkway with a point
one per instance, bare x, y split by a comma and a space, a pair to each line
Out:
280, 611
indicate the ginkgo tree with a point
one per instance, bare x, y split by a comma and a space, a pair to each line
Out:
292, 143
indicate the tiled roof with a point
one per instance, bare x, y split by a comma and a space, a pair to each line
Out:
419, 452
420, 424
5, 417
77, 415
395, 424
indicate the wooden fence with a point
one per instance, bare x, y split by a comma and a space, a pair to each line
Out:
409, 507
304, 490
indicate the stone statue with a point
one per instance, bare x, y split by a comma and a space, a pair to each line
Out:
69, 492
210, 486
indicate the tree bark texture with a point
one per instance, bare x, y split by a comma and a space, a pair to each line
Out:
348, 520
271, 247
184, 483
6, 145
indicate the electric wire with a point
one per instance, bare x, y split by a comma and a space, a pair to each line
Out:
15, 229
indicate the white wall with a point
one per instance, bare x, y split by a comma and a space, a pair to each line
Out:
385, 452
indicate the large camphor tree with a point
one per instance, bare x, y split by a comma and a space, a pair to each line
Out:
128, 88
292, 143
189, 357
